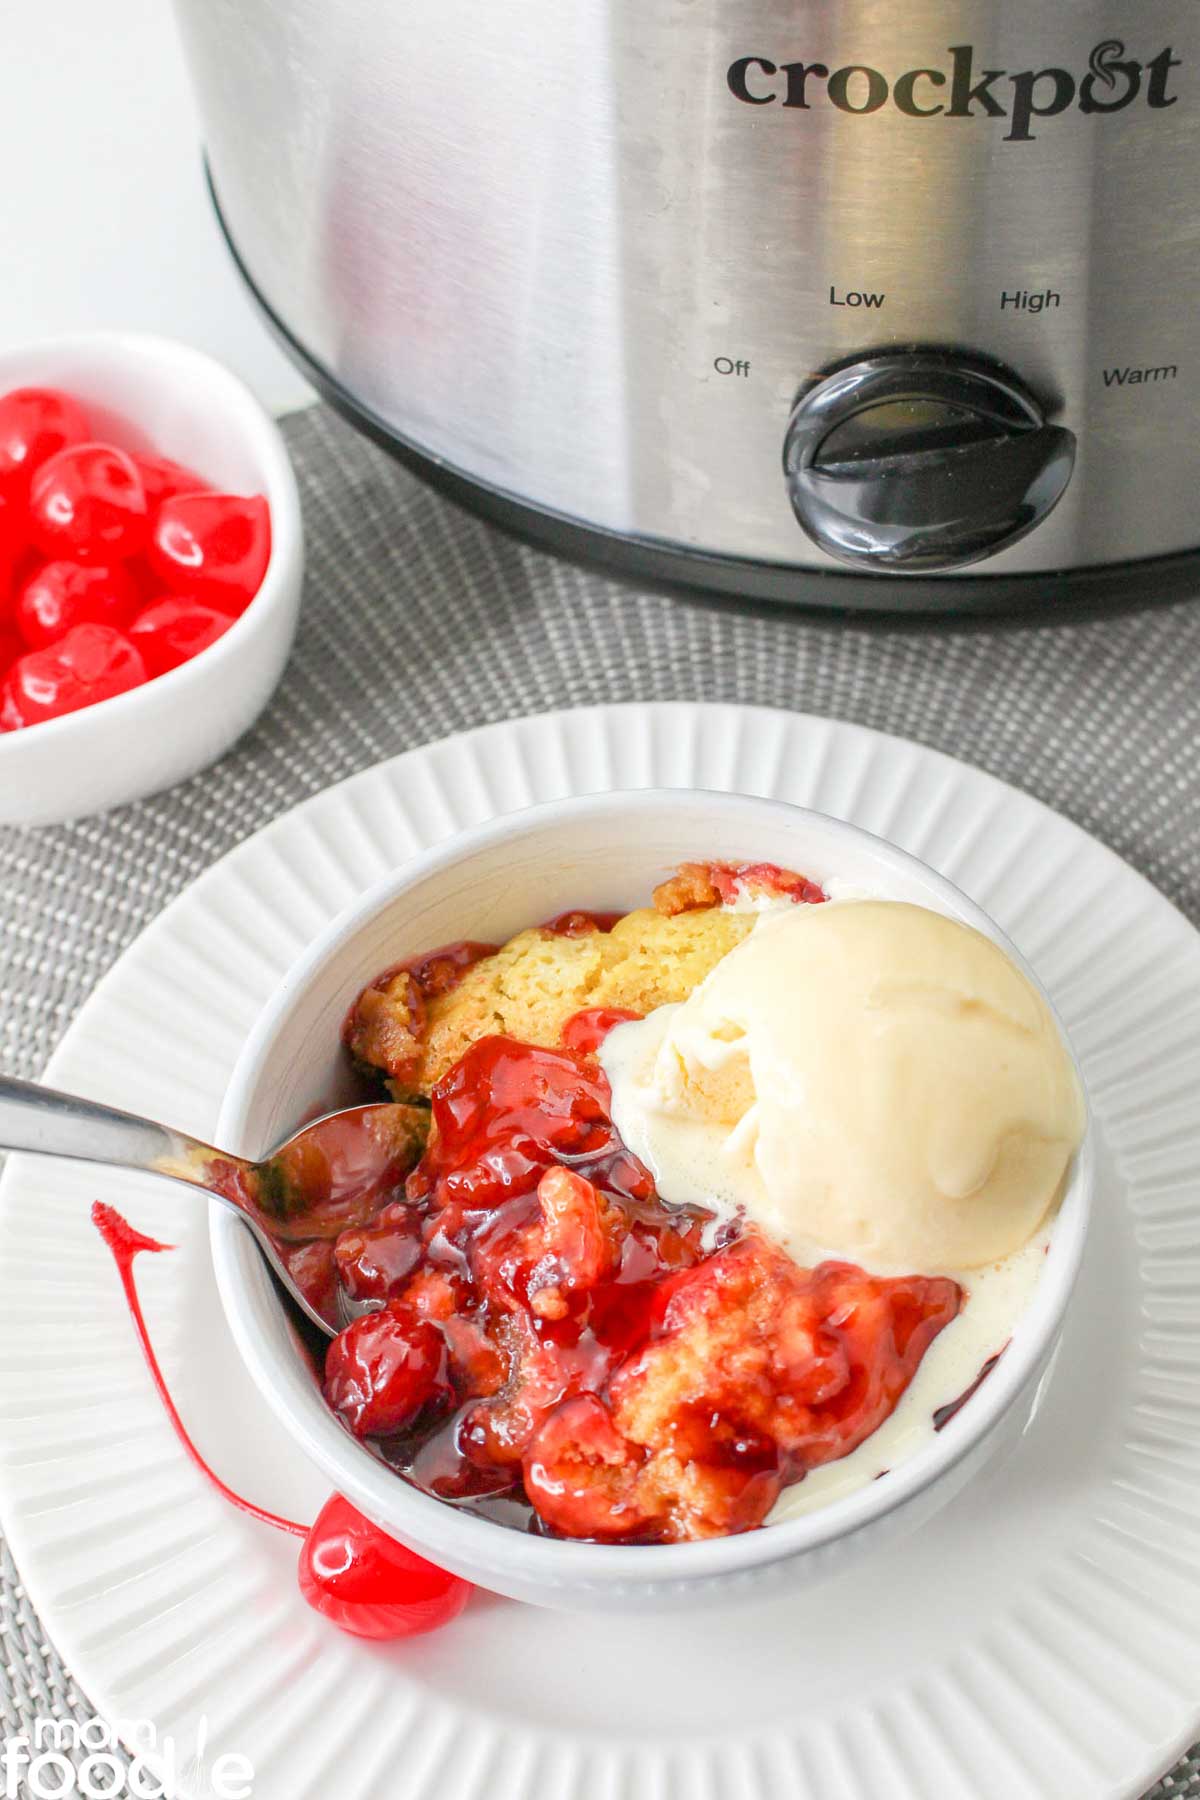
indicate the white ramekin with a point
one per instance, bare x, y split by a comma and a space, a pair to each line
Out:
162, 396
602, 852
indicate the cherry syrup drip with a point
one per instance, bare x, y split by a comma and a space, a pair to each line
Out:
943, 1414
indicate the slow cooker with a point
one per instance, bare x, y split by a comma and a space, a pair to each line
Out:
848, 302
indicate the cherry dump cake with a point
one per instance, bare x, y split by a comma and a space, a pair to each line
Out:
548, 1326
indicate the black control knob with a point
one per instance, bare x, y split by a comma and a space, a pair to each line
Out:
916, 460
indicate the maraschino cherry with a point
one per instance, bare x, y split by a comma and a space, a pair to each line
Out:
349, 1571
367, 1583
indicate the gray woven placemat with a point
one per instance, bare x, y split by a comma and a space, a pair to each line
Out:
419, 621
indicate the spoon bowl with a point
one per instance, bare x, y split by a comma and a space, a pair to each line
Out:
334, 1173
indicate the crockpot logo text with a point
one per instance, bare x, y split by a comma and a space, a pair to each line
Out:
1113, 81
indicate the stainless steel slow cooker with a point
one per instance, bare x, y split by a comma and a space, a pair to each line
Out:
850, 302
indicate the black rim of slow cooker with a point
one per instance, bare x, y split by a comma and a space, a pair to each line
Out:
1050, 596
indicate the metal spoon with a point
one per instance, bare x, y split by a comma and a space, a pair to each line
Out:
333, 1173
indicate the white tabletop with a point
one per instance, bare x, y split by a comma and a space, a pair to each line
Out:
104, 216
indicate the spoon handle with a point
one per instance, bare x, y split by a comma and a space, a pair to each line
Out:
48, 1123
43, 1121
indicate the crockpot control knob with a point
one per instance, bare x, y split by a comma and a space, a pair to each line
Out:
917, 460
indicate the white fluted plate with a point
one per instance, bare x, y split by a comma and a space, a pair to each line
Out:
1038, 1640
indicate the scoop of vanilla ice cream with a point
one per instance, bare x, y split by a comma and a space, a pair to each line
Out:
867, 1079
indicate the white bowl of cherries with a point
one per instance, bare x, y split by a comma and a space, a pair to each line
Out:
151, 556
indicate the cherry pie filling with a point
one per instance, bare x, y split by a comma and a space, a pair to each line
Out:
538, 1336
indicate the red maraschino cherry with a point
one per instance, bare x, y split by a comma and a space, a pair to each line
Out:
368, 1584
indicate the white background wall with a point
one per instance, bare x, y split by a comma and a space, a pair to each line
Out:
104, 218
